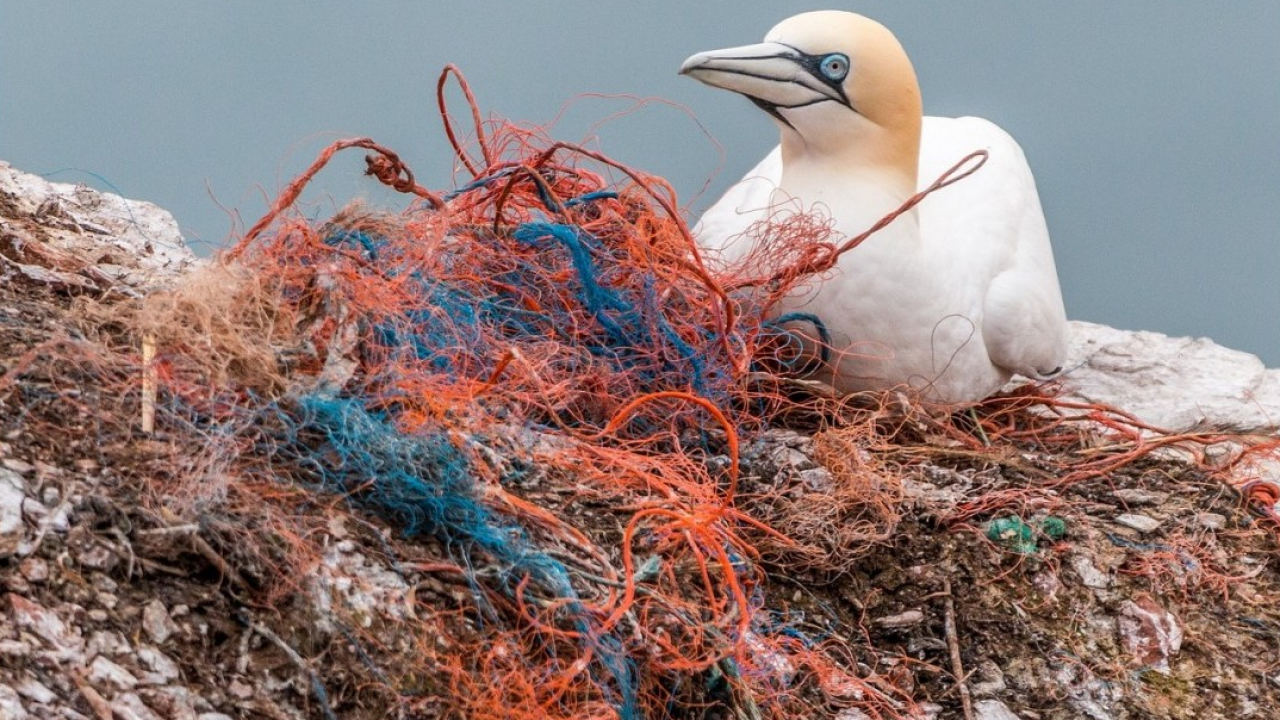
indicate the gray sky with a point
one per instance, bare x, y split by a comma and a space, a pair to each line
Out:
1153, 129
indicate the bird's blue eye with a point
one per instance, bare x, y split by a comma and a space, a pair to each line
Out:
835, 66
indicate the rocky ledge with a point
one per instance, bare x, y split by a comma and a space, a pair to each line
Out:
75, 238
1154, 598
1175, 383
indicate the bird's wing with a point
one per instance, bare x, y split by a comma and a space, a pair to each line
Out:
999, 238
721, 226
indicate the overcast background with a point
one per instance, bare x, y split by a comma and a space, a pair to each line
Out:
1153, 128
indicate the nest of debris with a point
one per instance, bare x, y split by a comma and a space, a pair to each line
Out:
516, 451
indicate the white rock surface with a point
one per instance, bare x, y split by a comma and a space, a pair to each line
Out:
988, 680
73, 235
35, 691
1150, 633
1141, 523
12, 494
360, 584
992, 710
156, 621
1172, 383
162, 668
108, 642
130, 707
930, 711
1089, 573
65, 640
11, 705
105, 673
1092, 697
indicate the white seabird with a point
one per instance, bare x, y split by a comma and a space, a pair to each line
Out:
952, 298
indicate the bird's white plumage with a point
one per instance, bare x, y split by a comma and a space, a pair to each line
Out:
950, 299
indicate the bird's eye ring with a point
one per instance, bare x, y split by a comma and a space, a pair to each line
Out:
835, 66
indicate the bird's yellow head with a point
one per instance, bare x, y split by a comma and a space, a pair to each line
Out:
837, 83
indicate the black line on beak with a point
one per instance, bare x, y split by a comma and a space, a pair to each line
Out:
772, 109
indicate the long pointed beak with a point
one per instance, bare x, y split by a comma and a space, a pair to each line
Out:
771, 74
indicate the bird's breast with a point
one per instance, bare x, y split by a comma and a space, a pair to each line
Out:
901, 310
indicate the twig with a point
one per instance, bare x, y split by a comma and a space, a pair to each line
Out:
242, 660
171, 530
167, 518
953, 642
150, 564
954, 688
148, 383
317, 687
91, 696
124, 541
223, 566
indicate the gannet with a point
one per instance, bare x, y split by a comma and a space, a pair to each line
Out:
949, 300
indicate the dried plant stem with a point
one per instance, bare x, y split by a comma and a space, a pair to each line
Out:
953, 643
148, 383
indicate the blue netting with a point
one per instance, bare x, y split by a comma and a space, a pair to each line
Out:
423, 484
461, 329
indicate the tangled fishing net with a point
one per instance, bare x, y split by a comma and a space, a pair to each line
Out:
542, 318
552, 323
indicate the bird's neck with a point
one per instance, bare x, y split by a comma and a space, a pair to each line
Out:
860, 146
861, 153
856, 188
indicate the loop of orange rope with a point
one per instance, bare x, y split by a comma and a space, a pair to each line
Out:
1262, 495
825, 261
624, 414
476, 120
386, 166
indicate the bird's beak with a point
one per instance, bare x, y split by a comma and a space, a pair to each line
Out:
772, 75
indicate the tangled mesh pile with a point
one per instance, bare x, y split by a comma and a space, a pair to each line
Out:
547, 319
382, 358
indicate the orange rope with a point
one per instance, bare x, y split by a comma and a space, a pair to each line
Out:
826, 256
476, 121
386, 166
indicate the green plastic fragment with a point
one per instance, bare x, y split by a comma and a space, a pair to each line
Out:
1013, 534
1053, 527
1018, 536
